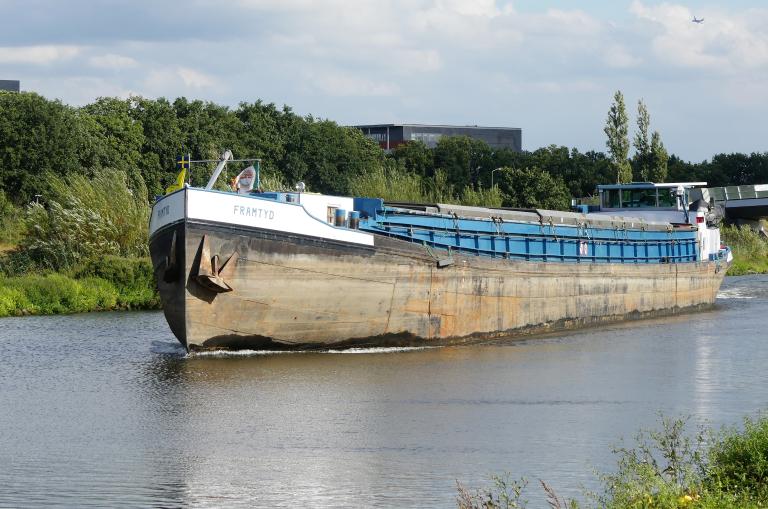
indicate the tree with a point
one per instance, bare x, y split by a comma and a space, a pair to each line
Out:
162, 142
617, 131
118, 137
533, 188
36, 136
658, 159
462, 159
416, 157
642, 157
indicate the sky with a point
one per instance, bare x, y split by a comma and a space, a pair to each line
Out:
550, 68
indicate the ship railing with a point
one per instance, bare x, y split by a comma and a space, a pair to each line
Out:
569, 232
542, 247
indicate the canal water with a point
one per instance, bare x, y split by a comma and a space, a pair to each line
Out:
106, 410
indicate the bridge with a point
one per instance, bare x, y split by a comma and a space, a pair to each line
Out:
740, 202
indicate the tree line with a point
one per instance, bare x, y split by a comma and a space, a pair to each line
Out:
142, 137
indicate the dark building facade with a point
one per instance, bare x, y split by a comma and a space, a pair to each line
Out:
389, 136
12, 85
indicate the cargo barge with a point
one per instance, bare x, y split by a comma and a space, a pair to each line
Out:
294, 270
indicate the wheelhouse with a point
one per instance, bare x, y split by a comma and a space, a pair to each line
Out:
646, 195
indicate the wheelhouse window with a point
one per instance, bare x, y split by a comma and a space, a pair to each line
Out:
667, 198
638, 198
611, 199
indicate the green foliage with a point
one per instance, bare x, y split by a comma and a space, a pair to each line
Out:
482, 197
390, 183
85, 218
750, 250
642, 146
132, 277
663, 466
617, 132
415, 157
105, 283
162, 143
36, 136
462, 159
659, 159
54, 294
506, 493
670, 468
274, 181
533, 188
12, 227
666, 468
738, 459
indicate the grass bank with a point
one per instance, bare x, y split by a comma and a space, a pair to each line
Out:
672, 467
102, 284
750, 250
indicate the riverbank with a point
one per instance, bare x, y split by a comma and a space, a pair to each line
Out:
670, 467
122, 283
750, 250
105, 284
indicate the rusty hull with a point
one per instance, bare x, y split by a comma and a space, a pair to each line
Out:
289, 291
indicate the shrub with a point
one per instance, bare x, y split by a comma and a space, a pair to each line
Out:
55, 293
738, 460
750, 250
11, 224
133, 278
13, 301
58, 293
390, 184
85, 218
482, 197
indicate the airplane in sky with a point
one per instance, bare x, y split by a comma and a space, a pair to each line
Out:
696, 20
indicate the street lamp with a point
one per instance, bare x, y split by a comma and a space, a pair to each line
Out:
492, 172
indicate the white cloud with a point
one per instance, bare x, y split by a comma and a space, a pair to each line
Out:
195, 79
77, 90
37, 55
347, 85
173, 81
113, 62
725, 42
618, 56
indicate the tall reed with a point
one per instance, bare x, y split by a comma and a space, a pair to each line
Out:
84, 217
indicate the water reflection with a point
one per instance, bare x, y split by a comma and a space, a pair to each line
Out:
111, 411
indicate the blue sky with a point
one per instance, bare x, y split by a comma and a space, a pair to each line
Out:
548, 67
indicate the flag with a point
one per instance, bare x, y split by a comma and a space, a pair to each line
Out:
182, 162
179, 184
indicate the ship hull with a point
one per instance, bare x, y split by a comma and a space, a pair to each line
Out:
291, 291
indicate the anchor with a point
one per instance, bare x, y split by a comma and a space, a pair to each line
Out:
211, 273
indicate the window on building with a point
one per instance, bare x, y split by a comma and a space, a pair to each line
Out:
332, 214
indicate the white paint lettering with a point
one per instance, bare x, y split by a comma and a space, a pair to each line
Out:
255, 212
161, 213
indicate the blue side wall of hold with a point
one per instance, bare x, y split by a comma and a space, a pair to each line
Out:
532, 241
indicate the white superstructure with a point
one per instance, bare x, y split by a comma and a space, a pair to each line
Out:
234, 209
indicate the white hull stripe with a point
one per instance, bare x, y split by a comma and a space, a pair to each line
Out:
230, 208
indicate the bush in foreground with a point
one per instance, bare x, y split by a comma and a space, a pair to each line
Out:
102, 284
750, 250
666, 468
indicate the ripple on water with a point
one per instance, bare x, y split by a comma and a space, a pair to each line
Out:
108, 409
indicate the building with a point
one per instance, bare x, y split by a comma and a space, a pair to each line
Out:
390, 136
11, 85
